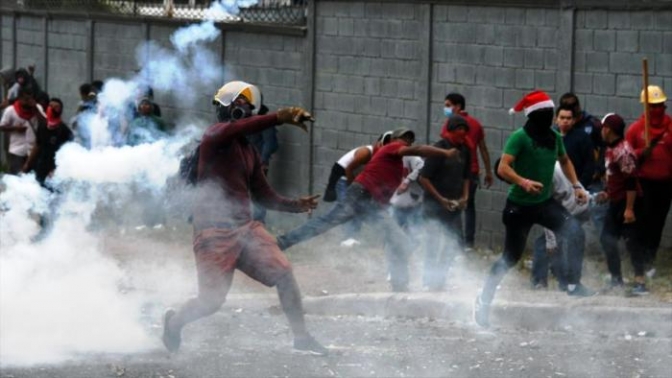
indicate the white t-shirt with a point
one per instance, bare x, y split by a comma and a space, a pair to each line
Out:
346, 159
20, 142
413, 196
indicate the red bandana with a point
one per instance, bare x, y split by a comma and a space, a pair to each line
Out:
22, 113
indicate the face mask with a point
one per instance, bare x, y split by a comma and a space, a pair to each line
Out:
657, 114
448, 111
240, 111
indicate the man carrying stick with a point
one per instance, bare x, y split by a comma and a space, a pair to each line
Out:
655, 168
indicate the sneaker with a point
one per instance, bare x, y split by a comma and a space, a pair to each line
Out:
539, 285
581, 291
171, 340
308, 345
349, 243
562, 286
651, 273
639, 289
481, 313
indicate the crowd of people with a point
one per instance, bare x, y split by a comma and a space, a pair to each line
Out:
33, 125
565, 167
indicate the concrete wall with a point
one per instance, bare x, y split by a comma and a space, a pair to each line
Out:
364, 67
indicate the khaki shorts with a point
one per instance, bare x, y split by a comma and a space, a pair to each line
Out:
249, 248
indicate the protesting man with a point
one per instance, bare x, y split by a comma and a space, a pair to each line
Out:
446, 184
621, 192
533, 151
343, 174
225, 236
655, 170
21, 121
455, 103
51, 136
368, 197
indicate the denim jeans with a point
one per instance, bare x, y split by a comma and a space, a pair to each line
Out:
598, 211
351, 228
443, 242
567, 258
359, 204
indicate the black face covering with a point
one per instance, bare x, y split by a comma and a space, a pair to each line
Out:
538, 127
233, 112
240, 111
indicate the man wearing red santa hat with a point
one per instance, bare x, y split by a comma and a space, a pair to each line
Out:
527, 163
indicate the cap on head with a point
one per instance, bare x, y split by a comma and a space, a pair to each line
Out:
385, 137
234, 89
614, 122
456, 121
401, 132
656, 95
533, 101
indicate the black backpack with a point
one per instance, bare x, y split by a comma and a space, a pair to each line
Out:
189, 166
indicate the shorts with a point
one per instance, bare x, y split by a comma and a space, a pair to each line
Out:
249, 248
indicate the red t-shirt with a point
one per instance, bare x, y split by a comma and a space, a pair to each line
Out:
658, 166
383, 174
230, 175
476, 135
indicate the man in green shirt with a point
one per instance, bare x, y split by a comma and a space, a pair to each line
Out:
527, 163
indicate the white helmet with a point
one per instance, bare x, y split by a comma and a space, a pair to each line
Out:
233, 89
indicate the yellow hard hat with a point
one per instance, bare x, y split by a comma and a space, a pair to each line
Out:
233, 89
656, 95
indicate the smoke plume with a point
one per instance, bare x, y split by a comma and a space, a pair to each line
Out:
62, 296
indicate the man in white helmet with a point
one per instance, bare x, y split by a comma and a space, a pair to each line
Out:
230, 176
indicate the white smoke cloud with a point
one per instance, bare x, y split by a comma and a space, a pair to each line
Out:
62, 294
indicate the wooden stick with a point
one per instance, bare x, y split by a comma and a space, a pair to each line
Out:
645, 65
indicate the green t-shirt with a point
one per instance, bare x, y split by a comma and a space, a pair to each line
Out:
533, 163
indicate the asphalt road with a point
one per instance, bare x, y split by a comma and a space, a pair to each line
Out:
256, 343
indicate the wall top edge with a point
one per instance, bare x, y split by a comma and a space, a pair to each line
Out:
575, 4
290, 30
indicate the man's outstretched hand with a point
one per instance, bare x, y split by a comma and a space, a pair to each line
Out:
295, 116
308, 203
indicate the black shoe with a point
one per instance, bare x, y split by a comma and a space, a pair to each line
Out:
581, 291
171, 340
308, 345
481, 313
329, 195
539, 285
639, 289
562, 286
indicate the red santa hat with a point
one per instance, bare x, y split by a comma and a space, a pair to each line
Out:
533, 101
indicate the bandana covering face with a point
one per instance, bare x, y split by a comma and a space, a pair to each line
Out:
53, 118
657, 114
22, 112
538, 127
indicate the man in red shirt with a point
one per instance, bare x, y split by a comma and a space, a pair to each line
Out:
455, 104
621, 192
230, 176
368, 198
655, 170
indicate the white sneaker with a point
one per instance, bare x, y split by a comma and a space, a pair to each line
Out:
349, 243
651, 272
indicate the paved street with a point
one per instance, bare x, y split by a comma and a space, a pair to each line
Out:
238, 342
